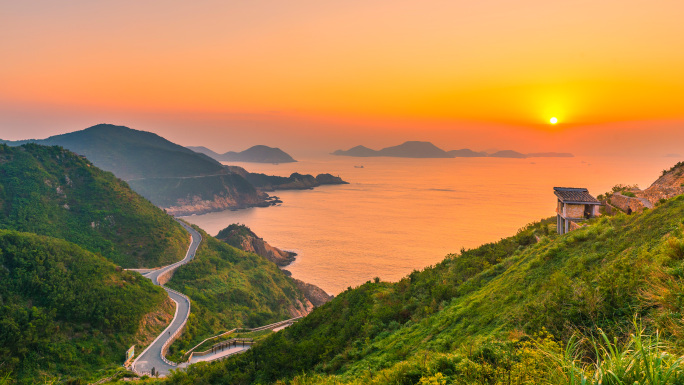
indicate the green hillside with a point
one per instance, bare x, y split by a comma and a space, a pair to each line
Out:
232, 288
65, 312
518, 311
167, 174
132, 154
54, 192
185, 191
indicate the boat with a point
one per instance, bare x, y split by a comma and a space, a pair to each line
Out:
358, 166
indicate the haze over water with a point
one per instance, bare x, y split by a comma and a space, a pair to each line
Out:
397, 215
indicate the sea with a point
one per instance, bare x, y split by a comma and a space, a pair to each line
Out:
397, 215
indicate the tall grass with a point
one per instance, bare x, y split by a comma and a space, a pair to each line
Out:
641, 359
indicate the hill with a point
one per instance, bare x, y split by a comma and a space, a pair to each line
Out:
175, 178
243, 238
415, 149
232, 288
66, 312
358, 151
532, 308
51, 191
466, 153
255, 154
132, 154
169, 175
507, 154
410, 149
88, 310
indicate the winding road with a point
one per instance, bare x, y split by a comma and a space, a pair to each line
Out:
152, 356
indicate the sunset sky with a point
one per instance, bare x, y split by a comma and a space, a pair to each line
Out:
332, 74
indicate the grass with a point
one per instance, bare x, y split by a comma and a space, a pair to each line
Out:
230, 288
474, 315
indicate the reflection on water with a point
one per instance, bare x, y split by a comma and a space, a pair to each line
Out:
398, 215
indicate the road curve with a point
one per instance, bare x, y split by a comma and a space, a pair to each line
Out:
152, 357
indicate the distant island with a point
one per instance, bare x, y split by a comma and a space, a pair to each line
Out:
416, 149
254, 154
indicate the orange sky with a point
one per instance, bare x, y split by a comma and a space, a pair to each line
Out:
468, 73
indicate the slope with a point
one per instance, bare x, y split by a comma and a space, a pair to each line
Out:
231, 288
175, 178
51, 191
65, 312
467, 319
132, 154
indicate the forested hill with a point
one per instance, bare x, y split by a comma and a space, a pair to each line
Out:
175, 178
66, 312
132, 154
535, 308
52, 191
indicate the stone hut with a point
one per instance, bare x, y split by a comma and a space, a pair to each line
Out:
574, 205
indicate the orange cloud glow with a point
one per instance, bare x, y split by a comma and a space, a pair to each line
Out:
514, 63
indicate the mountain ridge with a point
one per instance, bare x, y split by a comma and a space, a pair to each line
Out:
168, 174
54, 192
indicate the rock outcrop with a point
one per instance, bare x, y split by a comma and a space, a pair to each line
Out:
670, 184
632, 199
313, 293
241, 237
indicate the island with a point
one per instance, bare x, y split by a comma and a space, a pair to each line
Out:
254, 154
417, 149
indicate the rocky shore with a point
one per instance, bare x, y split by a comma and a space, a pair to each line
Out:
241, 237
214, 193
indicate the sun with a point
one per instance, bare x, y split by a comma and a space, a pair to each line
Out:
553, 120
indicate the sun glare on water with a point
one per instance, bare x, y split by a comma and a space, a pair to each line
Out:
553, 120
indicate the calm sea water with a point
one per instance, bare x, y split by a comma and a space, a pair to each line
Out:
397, 215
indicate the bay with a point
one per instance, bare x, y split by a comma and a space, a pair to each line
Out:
397, 215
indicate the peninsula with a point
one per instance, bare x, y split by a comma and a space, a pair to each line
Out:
168, 174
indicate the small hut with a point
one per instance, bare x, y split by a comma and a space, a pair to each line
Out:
574, 205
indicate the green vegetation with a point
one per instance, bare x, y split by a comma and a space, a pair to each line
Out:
156, 168
166, 192
65, 312
51, 191
170, 175
550, 308
256, 336
131, 154
231, 288
234, 234
677, 165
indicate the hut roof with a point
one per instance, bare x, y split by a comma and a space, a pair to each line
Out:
575, 195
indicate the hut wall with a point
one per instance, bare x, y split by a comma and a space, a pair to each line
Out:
574, 211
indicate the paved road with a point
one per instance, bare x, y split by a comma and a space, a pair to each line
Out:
151, 357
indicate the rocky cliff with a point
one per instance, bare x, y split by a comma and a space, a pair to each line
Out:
243, 238
313, 293
632, 199
670, 184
